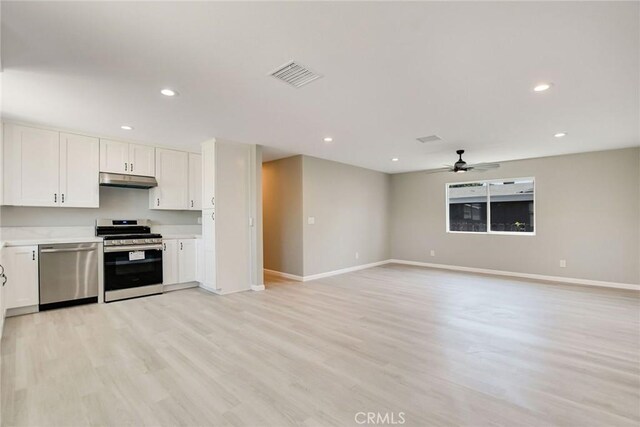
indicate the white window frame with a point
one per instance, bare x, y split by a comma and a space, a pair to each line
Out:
488, 182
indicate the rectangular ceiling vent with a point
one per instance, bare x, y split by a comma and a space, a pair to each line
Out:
430, 138
295, 74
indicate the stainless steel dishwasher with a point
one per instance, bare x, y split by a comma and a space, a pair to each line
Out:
68, 274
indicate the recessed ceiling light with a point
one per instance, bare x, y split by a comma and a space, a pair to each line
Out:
395, 159
328, 139
168, 92
126, 127
542, 87
560, 134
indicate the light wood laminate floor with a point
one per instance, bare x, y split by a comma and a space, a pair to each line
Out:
444, 348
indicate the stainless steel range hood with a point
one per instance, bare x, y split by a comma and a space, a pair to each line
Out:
127, 181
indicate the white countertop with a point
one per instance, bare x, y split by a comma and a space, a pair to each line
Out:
49, 241
181, 236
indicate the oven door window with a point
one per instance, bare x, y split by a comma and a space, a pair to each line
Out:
122, 271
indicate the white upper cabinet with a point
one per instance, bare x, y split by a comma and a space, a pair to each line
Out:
195, 182
125, 158
208, 174
142, 160
172, 174
79, 171
48, 168
31, 166
114, 156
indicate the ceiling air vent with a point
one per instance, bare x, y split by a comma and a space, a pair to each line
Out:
295, 74
430, 138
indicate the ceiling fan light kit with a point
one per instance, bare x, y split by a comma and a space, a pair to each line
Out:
461, 166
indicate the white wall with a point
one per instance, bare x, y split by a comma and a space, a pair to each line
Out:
587, 213
351, 210
125, 203
350, 206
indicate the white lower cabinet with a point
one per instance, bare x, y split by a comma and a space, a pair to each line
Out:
179, 261
169, 261
187, 260
21, 270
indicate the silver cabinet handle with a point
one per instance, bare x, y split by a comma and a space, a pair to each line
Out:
4, 282
52, 251
212, 218
158, 202
180, 245
164, 246
33, 255
133, 248
212, 200
125, 166
192, 203
131, 167
62, 197
1, 271
55, 197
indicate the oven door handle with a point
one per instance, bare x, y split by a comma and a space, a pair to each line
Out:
132, 248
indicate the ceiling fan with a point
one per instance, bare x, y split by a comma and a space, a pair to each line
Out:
461, 166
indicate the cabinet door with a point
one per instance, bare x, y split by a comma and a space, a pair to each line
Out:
21, 269
208, 174
208, 258
200, 260
114, 156
187, 260
79, 171
209, 229
31, 164
172, 174
195, 181
169, 262
142, 160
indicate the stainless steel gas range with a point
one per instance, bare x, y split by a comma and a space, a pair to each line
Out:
132, 258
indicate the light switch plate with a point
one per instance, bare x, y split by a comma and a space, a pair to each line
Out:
311, 220
199, 220
563, 263
433, 253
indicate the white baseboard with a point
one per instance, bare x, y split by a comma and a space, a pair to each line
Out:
541, 277
326, 274
343, 270
285, 275
178, 286
257, 287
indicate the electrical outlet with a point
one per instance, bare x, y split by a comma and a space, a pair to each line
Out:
199, 220
311, 220
433, 253
563, 263
357, 255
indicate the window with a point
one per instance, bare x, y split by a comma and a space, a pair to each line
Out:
496, 206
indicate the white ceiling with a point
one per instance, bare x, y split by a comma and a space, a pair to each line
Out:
392, 72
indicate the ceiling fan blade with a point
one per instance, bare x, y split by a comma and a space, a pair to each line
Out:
448, 169
484, 166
